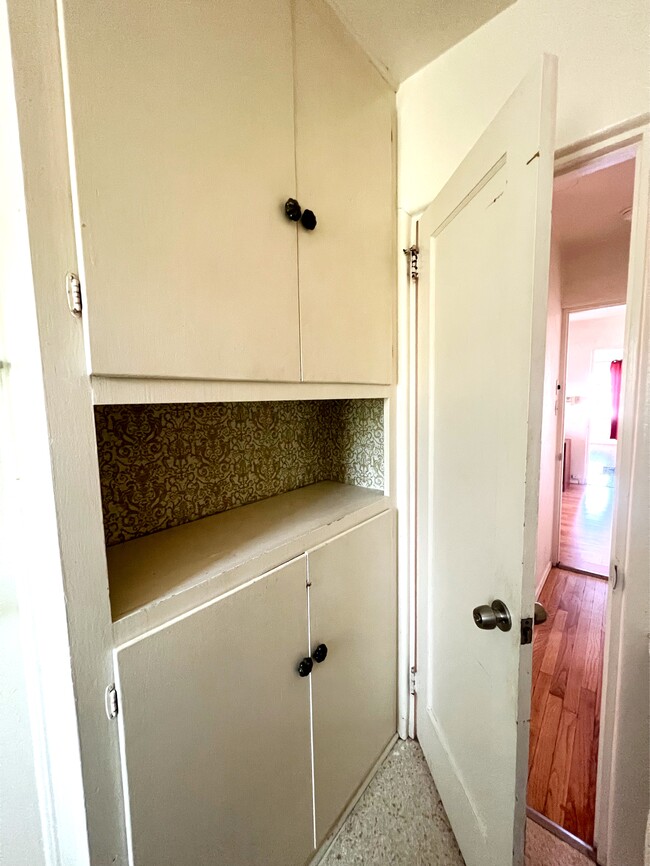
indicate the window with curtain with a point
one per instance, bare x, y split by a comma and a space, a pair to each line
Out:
615, 369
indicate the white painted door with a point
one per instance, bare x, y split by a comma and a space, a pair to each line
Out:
484, 257
353, 601
215, 731
344, 159
182, 124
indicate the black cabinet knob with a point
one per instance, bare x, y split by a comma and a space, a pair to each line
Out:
320, 653
305, 666
309, 220
292, 209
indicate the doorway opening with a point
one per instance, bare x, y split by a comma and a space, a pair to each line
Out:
592, 207
592, 404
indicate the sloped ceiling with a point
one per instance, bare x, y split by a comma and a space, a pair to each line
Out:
402, 36
590, 207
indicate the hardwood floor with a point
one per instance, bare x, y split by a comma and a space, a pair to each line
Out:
565, 715
586, 527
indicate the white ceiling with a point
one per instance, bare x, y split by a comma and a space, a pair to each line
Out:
402, 36
588, 206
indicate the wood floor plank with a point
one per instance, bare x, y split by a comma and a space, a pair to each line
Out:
543, 758
571, 600
558, 781
586, 527
594, 655
564, 658
575, 678
554, 641
552, 591
565, 712
539, 698
581, 795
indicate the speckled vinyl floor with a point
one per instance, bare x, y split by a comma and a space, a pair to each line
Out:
400, 821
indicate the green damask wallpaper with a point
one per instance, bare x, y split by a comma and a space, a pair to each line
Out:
163, 465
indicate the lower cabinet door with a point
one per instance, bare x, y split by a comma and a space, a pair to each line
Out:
215, 731
353, 612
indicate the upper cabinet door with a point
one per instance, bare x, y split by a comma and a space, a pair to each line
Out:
183, 146
344, 155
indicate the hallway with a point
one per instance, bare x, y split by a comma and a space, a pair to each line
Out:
565, 712
586, 527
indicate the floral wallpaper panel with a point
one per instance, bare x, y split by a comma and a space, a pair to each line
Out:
164, 465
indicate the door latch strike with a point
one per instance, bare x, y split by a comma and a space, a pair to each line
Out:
526, 630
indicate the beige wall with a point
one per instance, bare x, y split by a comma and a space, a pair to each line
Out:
604, 79
20, 822
548, 463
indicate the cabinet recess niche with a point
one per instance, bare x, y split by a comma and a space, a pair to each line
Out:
180, 471
186, 143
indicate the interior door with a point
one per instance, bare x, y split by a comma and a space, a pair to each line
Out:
215, 731
484, 259
344, 157
182, 128
353, 604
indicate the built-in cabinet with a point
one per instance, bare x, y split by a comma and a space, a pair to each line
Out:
223, 708
190, 127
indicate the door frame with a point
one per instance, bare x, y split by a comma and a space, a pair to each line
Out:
631, 139
634, 134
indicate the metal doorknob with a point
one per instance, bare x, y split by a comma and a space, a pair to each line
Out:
320, 653
305, 667
540, 613
495, 615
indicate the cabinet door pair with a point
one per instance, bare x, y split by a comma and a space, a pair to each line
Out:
192, 123
216, 724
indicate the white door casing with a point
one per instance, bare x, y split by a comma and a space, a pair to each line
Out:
484, 261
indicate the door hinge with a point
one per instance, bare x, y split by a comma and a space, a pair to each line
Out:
110, 698
527, 630
413, 252
413, 680
73, 293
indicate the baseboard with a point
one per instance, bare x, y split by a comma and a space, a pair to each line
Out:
547, 571
331, 837
561, 833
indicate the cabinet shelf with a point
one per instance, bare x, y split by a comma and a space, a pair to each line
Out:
109, 390
158, 577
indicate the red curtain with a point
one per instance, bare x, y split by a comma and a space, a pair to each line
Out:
615, 371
